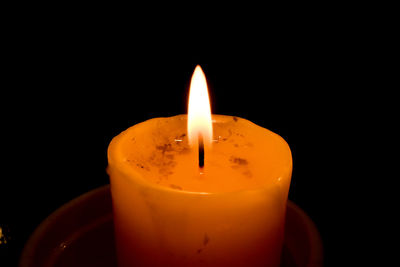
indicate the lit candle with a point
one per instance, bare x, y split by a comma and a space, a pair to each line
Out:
199, 190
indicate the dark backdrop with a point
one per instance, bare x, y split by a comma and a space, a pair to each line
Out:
67, 93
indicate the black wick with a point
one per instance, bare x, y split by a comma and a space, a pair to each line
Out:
201, 151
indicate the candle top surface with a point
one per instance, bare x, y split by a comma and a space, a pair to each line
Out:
242, 156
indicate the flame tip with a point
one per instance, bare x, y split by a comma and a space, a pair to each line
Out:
199, 110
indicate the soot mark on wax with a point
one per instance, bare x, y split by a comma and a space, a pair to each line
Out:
239, 161
241, 165
173, 186
164, 155
165, 148
206, 240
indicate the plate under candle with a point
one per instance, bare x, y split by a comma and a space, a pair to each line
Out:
80, 233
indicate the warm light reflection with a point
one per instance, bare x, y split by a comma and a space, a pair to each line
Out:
3, 239
199, 110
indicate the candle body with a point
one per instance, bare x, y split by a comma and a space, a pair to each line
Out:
200, 222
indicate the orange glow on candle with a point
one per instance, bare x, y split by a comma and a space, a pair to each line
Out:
199, 110
168, 213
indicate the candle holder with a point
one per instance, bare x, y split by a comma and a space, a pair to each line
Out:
81, 233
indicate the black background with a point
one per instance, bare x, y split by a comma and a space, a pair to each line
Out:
70, 88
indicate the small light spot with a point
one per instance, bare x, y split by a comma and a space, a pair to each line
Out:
218, 139
63, 245
3, 238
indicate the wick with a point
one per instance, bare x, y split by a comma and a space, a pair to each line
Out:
201, 151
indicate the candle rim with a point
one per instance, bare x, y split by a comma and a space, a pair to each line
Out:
112, 154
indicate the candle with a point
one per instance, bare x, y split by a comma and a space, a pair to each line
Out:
199, 190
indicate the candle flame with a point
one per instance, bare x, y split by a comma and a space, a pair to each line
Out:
199, 110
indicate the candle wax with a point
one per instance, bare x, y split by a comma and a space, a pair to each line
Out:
170, 212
